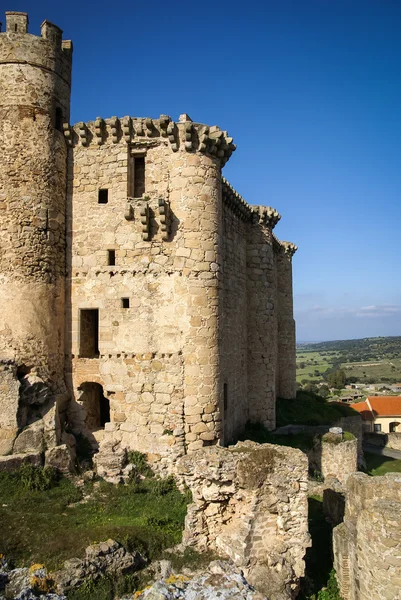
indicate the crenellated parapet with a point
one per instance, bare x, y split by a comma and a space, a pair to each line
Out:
289, 248
235, 202
40, 50
182, 135
266, 215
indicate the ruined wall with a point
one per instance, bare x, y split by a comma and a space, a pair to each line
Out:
339, 460
35, 73
333, 458
367, 545
250, 504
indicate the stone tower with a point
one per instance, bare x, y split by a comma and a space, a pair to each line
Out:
35, 76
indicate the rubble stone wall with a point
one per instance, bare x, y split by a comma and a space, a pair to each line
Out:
367, 545
339, 460
250, 504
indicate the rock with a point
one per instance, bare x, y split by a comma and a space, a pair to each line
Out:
105, 557
34, 390
110, 461
7, 438
220, 581
15, 461
60, 458
30, 439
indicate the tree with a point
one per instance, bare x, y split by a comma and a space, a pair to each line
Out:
337, 379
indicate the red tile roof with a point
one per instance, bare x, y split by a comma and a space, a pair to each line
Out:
382, 406
364, 411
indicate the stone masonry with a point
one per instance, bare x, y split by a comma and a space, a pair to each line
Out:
367, 545
136, 285
250, 505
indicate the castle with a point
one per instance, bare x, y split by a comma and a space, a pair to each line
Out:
142, 300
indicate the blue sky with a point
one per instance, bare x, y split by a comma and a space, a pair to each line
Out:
311, 92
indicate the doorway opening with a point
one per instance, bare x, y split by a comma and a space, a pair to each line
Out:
96, 405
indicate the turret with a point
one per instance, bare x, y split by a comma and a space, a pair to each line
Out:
35, 75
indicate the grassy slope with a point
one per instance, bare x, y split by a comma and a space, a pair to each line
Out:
309, 409
380, 465
42, 527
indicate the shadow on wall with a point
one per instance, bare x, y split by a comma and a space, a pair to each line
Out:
89, 414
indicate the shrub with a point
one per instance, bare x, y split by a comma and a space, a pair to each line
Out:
37, 478
139, 460
161, 487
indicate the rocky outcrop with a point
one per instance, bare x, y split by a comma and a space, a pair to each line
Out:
221, 581
250, 505
100, 559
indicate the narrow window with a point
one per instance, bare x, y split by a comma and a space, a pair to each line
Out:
139, 176
89, 333
59, 119
225, 397
111, 257
125, 302
103, 196
16, 28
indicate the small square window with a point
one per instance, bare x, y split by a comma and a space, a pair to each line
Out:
103, 196
111, 257
377, 427
125, 302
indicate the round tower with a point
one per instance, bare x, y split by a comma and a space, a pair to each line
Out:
35, 83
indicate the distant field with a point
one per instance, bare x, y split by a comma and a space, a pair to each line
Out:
370, 359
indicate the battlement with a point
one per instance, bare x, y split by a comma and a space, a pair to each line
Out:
184, 134
17, 24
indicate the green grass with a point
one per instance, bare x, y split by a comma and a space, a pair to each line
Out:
48, 526
380, 465
309, 409
256, 432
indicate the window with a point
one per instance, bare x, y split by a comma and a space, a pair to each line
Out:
139, 176
125, 302
225, 396
89, 333
103, 196
58, 123
16, 28
377, 427
111, 257
393, 426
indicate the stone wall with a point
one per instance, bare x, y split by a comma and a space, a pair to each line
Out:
394, 441
179, 278
286, 351
367, 545
132, 275
338, 460
35, 73
233, 325
250, 504
332, 458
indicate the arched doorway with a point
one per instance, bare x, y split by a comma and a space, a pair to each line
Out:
96, 405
